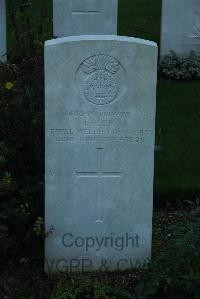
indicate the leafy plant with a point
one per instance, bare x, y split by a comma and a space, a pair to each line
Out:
84, 287
176, 272
21, 157
29, 28
175, 67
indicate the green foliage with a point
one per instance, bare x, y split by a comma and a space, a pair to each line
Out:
176, 272
86, 288
176, 67
29, 26
21, 156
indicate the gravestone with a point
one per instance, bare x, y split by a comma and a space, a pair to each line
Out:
180, 30
100, 123
79, 17
3, 31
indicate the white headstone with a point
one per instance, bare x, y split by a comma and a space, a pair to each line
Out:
3, 49
100, 123
180, 30
79, 17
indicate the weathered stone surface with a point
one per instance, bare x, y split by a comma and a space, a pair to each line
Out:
79, 17
100, 123
180, 30
3, 49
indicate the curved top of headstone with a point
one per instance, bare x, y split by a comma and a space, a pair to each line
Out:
99, 38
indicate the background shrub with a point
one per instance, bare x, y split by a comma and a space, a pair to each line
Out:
176, 67
30, 24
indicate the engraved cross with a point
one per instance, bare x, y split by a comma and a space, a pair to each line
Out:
99, 174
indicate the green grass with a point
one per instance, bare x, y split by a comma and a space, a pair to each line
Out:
177, 171
140, 18
177, 132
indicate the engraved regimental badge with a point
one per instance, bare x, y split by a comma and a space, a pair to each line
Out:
100, 79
